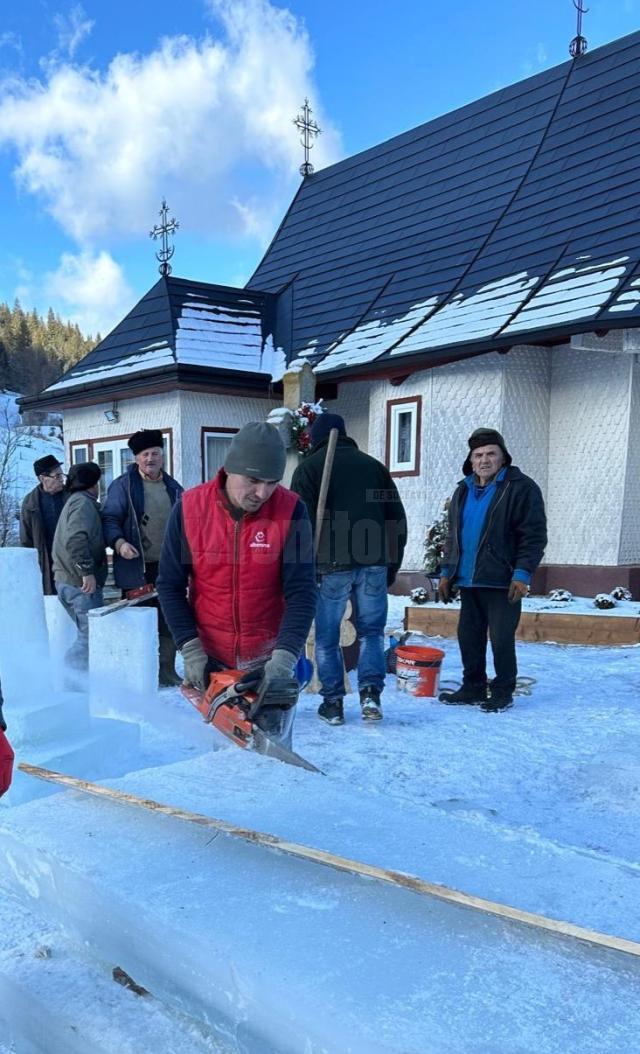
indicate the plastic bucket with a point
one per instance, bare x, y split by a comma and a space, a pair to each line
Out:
418, 670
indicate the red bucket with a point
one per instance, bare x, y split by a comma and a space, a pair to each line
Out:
418, 670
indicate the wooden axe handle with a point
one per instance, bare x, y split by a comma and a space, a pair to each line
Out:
324, 486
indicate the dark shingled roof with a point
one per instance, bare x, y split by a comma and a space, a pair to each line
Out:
511, 220
176, 326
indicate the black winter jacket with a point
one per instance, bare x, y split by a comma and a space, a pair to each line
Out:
514, 532
364, 523
121, 515
33, 535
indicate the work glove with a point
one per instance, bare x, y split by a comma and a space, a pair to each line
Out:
6, 762
517, 591
444, 590
195, 662
273, 683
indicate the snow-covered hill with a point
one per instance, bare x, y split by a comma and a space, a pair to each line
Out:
20, 446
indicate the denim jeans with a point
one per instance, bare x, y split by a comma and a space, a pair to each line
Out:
367, 588
78, 604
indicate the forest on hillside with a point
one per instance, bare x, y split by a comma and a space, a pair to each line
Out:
35, 351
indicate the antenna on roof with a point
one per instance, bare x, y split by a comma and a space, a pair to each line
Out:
163, 230
578, 45
309, 131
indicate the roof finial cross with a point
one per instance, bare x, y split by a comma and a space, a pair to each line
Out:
578, 45
163, 230
309, 131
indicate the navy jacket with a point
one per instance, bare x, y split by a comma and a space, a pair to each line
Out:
298, 582
121, 515
514, 533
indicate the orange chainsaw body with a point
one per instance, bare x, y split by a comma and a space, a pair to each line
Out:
221, 706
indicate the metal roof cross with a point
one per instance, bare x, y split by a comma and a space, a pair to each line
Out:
163, 230
309, 131
578, 45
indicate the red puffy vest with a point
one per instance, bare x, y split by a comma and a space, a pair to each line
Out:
236, 583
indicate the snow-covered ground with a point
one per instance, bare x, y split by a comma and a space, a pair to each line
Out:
537, 807
26, 444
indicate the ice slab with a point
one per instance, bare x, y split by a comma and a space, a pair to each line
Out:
123, 661
62, 633
24, 642
54, 999
103, 748
287, 956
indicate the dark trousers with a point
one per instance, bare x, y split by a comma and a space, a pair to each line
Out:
482, 611
150, 575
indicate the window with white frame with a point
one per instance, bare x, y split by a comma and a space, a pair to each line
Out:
114, 456
403, 436
215, 446
79, 453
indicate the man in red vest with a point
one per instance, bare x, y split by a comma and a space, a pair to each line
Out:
236, 579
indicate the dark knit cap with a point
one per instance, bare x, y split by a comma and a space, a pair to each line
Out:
485, 437
144, 439
322, 426
46, 464
257, 450
82, 476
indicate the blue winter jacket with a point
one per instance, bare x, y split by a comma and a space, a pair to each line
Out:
121, 516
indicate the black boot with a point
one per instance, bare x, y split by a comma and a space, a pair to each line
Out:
370, 704
497, 702
332, 711
466, 695
168, 678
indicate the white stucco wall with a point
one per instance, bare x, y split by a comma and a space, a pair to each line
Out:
630, 531
200, 410
589, 433
506, 392
353, 404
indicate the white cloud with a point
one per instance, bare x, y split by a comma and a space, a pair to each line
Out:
206, 123
72, 29
90, 289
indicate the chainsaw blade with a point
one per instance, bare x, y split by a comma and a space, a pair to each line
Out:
263, 745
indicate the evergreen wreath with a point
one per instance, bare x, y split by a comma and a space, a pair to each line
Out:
301, 420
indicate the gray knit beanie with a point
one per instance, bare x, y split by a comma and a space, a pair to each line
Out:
257, 451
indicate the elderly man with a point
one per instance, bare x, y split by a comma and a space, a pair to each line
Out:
134, 519
79, 556
236, 579
360, 552
496, 539
40, 513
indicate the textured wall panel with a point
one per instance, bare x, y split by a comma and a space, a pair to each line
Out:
525, 410
353, 404
630, 533
587, 456
152, 411
201, 410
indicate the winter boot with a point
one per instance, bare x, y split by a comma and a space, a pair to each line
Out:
496, 702
466, 695
168, 678
332, 711
370, 704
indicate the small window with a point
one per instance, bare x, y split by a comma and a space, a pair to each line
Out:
215, 446
79, 453
403, 436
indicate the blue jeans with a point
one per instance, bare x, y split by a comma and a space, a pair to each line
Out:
367, 587
78, 605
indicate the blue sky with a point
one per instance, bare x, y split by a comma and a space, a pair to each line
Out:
107, 105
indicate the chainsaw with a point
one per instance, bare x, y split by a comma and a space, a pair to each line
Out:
234, 713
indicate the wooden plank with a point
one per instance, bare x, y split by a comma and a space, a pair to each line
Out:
535, 626
340, 863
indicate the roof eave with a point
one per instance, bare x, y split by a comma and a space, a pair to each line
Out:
167, 377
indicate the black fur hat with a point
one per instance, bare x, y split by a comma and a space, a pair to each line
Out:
82, 476
485, 437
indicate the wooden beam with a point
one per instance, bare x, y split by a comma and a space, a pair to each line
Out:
535, 626
340, 863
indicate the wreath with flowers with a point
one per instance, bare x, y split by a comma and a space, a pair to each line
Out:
301, 420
